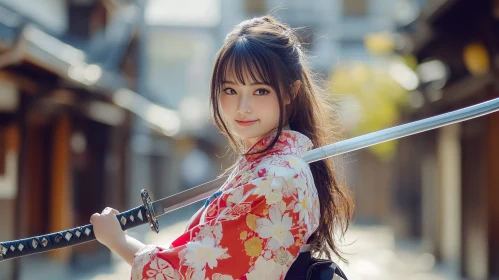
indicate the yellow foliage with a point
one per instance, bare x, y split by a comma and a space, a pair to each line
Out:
379, 97
379, 43
476, 58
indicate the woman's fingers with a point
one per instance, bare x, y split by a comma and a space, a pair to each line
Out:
93, 217
105, 211
107, 228
109, 210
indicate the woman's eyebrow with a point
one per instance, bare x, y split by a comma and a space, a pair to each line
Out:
252, 84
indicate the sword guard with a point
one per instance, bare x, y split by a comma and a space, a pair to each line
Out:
151, 216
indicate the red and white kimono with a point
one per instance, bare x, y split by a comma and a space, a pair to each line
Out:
252, 228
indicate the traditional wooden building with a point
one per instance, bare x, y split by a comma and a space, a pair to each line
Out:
63, 138
450, 176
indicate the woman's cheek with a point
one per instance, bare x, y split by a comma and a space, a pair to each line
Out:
224, 105
271, 107
226, 110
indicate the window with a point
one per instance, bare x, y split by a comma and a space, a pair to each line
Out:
355, 8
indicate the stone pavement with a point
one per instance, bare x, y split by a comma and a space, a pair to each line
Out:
375, 254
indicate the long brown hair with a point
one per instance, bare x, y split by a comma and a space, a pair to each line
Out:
272, 54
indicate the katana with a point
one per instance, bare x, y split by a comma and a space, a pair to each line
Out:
149, 211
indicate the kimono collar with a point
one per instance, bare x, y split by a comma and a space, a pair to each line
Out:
290, 142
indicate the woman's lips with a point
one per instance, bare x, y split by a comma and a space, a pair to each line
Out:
248, 123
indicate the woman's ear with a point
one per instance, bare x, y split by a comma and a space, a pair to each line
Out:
295, 88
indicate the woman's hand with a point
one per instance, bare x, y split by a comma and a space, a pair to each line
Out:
107, 229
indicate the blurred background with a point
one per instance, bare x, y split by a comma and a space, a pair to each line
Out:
100, 99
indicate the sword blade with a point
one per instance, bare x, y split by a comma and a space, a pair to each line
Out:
187, 197
204, 191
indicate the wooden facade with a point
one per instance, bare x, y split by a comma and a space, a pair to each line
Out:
60, 160
456, 168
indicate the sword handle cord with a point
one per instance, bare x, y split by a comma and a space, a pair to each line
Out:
38, 244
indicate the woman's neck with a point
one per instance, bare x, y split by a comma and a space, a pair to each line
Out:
250, 142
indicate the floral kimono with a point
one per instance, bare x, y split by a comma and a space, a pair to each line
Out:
252, 228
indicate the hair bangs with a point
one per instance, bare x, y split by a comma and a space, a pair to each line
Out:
249, 62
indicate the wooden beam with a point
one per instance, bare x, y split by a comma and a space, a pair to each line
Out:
61, 192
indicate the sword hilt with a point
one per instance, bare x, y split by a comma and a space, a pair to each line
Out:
38, 244
151, 215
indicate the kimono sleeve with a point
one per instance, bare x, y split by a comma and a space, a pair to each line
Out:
256, 233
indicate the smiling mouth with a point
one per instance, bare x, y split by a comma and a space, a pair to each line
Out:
246, 123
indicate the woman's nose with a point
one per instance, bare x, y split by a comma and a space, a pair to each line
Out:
244, 106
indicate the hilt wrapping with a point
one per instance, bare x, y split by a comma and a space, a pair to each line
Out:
38, 244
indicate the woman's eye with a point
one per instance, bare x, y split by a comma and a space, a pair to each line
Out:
262, 91
229, 91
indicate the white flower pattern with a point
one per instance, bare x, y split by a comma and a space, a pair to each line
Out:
277, 229
302, 206
265, 269
161, 270
199, 254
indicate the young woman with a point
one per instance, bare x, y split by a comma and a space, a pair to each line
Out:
274, 205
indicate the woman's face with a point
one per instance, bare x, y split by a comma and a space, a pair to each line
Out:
251, 110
